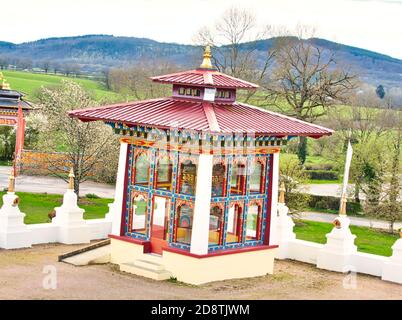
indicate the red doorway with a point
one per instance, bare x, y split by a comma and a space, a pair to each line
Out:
159, 223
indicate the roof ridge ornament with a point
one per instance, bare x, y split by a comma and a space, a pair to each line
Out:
206, 62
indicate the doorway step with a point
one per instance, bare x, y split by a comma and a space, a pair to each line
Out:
149, 266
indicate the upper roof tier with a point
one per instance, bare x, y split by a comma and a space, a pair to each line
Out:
205, 76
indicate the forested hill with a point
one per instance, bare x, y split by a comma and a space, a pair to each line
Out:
94, 52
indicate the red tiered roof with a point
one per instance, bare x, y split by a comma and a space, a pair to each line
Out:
202, 116
205, 78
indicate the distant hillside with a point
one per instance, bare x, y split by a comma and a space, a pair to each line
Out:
95, 52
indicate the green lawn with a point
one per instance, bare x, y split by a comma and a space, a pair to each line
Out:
29, 83
37, 206
367, 240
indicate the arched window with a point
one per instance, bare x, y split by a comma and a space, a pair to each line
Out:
164, 172
238, 179
235, 221
138, 214
218, 180
142, 169
188, 177
256, 178
215, 226
253, 223
184, 223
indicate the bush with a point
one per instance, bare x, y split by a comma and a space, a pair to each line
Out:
322, 174
319, 166
332, 203
91, 196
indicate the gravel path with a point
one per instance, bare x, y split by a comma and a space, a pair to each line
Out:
53, 185
355, 221
21, 277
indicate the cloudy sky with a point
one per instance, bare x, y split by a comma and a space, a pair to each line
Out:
371, 24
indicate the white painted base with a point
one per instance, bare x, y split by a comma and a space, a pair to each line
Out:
336, 255
13, 232
392, 270
284, 232
69, 219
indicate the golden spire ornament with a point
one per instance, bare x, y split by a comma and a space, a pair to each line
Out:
11, 181
71, 177
282, 191
206, 62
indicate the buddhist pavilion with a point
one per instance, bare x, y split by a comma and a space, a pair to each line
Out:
197, 182
12, 113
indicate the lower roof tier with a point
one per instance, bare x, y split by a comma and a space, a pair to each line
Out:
202, 116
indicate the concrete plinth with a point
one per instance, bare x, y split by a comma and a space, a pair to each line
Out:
285, 232
70, 222
392, 270
13, 232
336, 255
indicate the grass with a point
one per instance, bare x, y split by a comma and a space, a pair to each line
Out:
29, 83
37, 206
367, 240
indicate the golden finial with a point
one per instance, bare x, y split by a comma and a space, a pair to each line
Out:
342, 209
206, 62
282, 191
71, 176
11, 181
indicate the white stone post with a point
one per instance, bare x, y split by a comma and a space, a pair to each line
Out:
273, 235
337, 252
115, 208
392, 270
13, 232
285, 232
200, 230
69, 219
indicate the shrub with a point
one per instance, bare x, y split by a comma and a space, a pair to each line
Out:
332, 203
322, 174
91, 196
319, 166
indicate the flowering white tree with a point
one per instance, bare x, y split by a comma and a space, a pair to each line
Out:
85, 144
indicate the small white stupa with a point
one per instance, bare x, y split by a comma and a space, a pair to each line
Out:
13, 232
69, 218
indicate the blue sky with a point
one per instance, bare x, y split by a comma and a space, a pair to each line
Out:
370, 24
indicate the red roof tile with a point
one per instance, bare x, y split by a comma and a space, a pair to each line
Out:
202, 116
205, 78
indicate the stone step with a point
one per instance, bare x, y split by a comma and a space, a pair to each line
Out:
151, 257
98, 255
149, 265
145, 272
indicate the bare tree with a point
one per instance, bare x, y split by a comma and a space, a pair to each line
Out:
134, 80
306, 81
228, 35
45, 65
85, 144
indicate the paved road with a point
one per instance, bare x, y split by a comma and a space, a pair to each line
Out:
356, 221
326, 189
52, 185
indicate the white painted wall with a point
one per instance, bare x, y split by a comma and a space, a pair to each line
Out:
200, 230
273, 233
115, 209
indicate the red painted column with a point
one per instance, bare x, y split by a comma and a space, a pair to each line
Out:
19, 143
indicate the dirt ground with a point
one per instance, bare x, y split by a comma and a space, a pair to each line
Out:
22, 275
